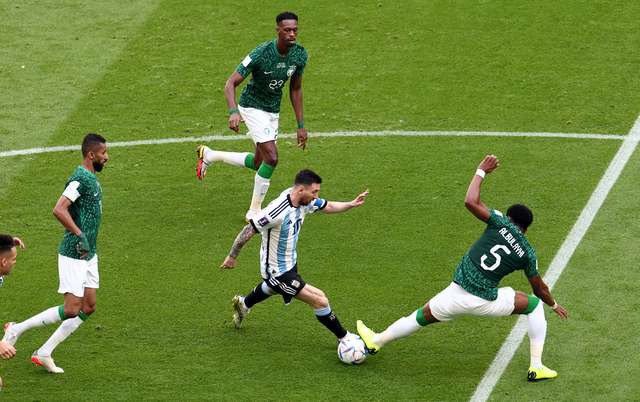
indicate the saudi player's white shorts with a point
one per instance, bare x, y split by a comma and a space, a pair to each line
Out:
454, 301
263, 126
75, 275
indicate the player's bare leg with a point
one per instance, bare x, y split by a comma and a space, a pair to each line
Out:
316, 298
265, 161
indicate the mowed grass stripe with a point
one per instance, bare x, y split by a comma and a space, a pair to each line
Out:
52, 54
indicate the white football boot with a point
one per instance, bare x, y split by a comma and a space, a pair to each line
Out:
241, 310
46, 362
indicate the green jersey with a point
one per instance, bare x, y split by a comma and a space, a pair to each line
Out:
501, 249
270, 71
83, 190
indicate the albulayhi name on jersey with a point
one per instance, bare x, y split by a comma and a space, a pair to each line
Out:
512, 241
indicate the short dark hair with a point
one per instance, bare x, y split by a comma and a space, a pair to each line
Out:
521, 215
6, 243
90, 141
307, 177
287, 15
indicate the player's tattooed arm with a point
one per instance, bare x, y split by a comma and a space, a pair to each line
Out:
242, 238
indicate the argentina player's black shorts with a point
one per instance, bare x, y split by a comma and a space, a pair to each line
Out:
288, 285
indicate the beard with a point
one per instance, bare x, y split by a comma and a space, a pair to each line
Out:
97, 166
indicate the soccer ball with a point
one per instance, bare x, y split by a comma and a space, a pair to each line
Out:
352, 350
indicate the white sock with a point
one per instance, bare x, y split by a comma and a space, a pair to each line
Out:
260, 188
399, 329
62, 332
231, 158
537, 333
49, 316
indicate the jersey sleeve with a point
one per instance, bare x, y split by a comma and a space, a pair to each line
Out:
496, 218
301, 65
249, 63
267, 218
532, 269
317, 205
72, 191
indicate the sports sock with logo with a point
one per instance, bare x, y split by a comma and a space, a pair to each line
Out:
61, 333
402, 328
231, 158
48, 316
329, 320
258, 294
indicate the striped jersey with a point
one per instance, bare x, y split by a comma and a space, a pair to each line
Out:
279, 224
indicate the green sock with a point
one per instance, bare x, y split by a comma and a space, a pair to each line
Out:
61, 312
265, 171
420, 318
533, 303
249, 161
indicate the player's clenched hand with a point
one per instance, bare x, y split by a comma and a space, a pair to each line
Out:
489, 163
301, 134
19, 243
83, 247
359, 200
561, 312
234, 121
228, 263
6, 350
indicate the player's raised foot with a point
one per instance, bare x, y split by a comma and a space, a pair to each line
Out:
367, 336
46, 362
541, 373
240, 309
201, 166
251, 214
10, 336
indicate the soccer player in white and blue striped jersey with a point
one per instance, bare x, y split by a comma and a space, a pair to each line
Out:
279, 224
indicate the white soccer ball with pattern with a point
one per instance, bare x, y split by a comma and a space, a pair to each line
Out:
352, 350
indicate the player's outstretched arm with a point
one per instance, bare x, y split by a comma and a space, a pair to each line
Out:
242, 238
541, 290
339, 206
472, 200
295, 93
230, 93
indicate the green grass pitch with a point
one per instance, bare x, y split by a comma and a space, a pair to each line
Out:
156, 69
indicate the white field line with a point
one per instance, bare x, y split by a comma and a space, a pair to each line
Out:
220, 137
559, 262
